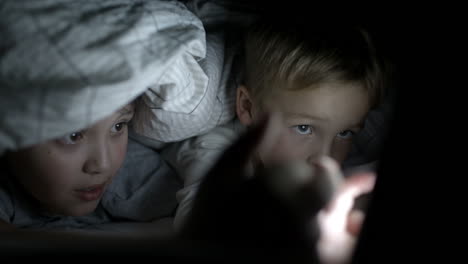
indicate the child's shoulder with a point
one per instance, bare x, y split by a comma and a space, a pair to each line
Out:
144, 188
16, 206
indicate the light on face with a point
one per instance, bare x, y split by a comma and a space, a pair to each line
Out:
336, 244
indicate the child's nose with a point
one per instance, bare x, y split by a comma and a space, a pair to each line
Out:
98, 161
324, 149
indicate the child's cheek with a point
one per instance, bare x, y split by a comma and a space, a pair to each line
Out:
120, 151
286, 148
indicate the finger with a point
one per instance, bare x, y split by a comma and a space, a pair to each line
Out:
306, 187
329, 177
232, 167
335, 216
293, 183
278, 146
364, 184
338, 224
273, 140
226, 180
286, 178
355, 220
360, 183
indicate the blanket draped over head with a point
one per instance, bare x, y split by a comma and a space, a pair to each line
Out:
65, 64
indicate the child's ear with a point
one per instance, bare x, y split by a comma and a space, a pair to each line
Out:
244, 106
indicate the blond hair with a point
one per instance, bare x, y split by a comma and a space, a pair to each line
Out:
296, 56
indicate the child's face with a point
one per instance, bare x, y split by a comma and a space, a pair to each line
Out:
69, 175
321, 120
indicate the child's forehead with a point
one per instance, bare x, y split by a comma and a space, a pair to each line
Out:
325, 99
127, 109
293, 90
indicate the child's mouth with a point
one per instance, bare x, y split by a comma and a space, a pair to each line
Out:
91, 193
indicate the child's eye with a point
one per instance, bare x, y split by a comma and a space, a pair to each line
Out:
72, 138
346, 134
303, 129
118, 127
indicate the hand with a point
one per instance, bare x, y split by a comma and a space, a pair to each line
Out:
340, 222
273, 206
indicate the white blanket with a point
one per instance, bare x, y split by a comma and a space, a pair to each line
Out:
65, 64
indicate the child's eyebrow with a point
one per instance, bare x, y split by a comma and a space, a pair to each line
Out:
359, 125
126, 111
302, 115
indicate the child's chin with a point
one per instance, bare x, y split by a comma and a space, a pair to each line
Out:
83, 210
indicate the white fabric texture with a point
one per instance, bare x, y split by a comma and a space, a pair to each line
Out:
197, 95
66, 64
191, 98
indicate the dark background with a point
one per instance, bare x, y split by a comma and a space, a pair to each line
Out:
418, 175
